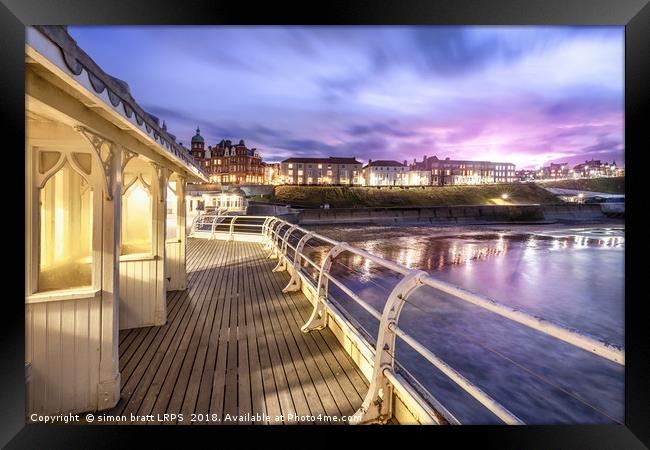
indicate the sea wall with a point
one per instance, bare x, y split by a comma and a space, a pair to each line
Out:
451, 214
268, 209
257, 189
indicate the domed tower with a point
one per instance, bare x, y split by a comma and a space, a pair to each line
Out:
198, 145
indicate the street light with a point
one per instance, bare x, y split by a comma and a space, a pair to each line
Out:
504, 196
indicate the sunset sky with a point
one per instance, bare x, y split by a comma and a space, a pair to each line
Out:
527, 95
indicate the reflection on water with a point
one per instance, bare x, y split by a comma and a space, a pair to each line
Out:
573, 276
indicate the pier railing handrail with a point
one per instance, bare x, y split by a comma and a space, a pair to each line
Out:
378, 403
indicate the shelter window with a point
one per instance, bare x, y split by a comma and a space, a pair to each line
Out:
66, 220
137, 219
172, 212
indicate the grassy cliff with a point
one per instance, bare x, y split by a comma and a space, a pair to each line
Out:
613, 185
359, 197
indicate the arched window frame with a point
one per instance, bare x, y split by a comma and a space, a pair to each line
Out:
96, 181
176, 191
138, 179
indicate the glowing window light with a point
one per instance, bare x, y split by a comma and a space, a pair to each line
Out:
136, 220
65, 247
172, 212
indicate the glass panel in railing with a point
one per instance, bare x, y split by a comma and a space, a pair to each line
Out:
315, 251
535, 376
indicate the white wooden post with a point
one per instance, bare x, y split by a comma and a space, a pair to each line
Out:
160, 231
282, 257
295, 283
110, 158
181, 282
318, 318
378, 403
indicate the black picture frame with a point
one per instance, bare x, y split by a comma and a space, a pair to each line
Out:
633, 14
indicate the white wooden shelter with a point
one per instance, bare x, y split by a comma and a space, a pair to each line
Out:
105, 220
201, 202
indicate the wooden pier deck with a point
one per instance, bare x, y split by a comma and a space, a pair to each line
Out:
232, 349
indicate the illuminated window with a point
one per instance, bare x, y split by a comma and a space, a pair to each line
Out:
136, 219
172, 212
66, 216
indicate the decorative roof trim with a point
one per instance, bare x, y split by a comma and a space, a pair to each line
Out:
118, 91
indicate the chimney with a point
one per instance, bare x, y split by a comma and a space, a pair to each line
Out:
369, 161
424, 158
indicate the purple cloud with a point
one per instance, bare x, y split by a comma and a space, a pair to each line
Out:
527, 95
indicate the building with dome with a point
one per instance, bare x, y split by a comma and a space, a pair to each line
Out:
228, 163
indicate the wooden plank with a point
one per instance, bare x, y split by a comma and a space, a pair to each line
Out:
209, 368
69, 361
294, 388
230, 399
188, 383
245, 401
85, 350
319, 397
301, 308
147, 373
233, 345
351, 400
159, 395
270, 388
275, 362
258, 406
218, 394
306, 393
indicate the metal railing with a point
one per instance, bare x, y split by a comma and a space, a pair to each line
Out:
219, 225
377, 405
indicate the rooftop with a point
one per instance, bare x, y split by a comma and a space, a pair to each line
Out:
330, 160
385, 163
77, 61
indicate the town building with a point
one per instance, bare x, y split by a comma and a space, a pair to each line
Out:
555, 171
588, 169
271, 173
525, 175
385, 173
446, 171
228, 163
595, 169
321, 171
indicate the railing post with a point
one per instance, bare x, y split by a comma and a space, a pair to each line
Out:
282, 257
378, 403
318, 318
232, 228
274, 246
267, 231
269, 244
266, 221
295, 283
214, 219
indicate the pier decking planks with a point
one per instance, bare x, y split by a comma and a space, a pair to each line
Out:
232, 345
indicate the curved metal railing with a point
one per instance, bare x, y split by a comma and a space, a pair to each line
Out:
222, 224
377, 405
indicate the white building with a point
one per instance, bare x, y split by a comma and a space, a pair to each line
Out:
321, 171
385, 173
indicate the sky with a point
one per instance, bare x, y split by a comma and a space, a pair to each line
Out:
526, 95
